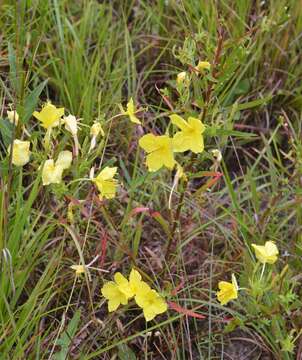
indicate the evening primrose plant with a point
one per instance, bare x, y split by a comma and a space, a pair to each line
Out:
172, 195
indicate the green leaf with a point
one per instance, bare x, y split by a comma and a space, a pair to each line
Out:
137, 238
125, 353
6, 131
12, 66
214, 131
258, 102
232, 325
67, 336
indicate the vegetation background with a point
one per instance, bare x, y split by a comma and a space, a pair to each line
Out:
89, 56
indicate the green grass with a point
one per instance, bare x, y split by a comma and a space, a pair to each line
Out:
89, 57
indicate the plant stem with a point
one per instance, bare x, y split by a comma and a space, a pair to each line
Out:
176, 220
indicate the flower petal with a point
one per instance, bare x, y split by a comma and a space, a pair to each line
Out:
179, 122
110, 290
113, 304
64, 159
148, 143
149, 313
107, 173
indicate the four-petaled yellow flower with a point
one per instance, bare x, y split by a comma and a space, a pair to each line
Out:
49, 115
203, 65
190, 137
21, 153
117, 292
52, 171
131, 112
267, 253
160, 151
13, 116
105, 183
150, 301
79, 269
227, 291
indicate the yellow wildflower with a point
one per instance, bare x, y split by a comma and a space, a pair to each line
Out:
217, 155
117, 292
190, 137
71, 124
180, 172
52, 172
160, 151
64, 159
95, 130
13, 116
203, 65
79, 269
267, 253
21, 153
150, 301
131, 112
181, 77
227, 291
49, 115
105, 183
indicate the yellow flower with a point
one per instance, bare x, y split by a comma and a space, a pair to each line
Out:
105, 183
13, 116
52, 172
64, 159
202, 65
49, 115
227, 291
95, 130
181, 77
267, 253
79, 269
150, 301
117, 292
160, 151
217, 155
71, 124
190, 137
180, 172
21, 152
131, 112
